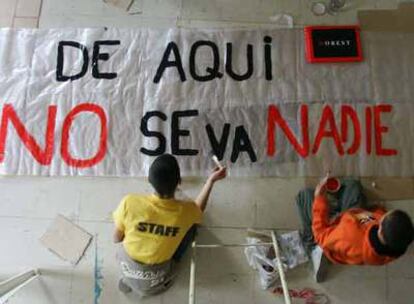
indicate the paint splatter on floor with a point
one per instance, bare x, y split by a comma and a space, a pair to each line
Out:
97, 274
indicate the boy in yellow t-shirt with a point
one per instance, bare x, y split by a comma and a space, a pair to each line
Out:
156, 229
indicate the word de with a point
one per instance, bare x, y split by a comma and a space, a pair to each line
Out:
44, 155
97, 56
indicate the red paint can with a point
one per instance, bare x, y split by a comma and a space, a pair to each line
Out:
333, 184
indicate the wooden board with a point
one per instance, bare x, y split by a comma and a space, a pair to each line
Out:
399, 20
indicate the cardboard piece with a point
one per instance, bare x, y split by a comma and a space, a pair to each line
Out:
66, 240
122, 4
399, 20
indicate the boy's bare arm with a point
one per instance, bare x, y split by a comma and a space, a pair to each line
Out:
202, 198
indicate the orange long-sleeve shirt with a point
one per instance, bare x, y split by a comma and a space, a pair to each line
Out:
345, 239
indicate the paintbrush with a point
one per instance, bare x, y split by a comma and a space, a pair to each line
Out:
216, 161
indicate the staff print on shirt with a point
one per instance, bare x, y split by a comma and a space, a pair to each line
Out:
158, 229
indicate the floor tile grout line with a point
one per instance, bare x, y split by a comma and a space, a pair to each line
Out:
39, 13
14, 12
110, 221
79, 207
71, 285
26, 17
80, 220
23, 16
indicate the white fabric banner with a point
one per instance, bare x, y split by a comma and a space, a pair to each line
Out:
104, 102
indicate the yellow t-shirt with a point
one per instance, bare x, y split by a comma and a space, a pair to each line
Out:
154, 227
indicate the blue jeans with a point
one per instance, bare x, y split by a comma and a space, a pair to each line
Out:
185, 243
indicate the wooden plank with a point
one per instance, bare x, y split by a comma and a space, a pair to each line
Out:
280, 269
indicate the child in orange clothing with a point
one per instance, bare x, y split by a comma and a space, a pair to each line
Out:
351, 234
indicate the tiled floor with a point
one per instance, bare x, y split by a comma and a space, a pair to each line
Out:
20, 13
182, 13
28, 205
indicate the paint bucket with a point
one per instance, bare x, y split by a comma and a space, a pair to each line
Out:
333, 184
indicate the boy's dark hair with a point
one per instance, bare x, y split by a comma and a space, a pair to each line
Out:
164, 175
397, 230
